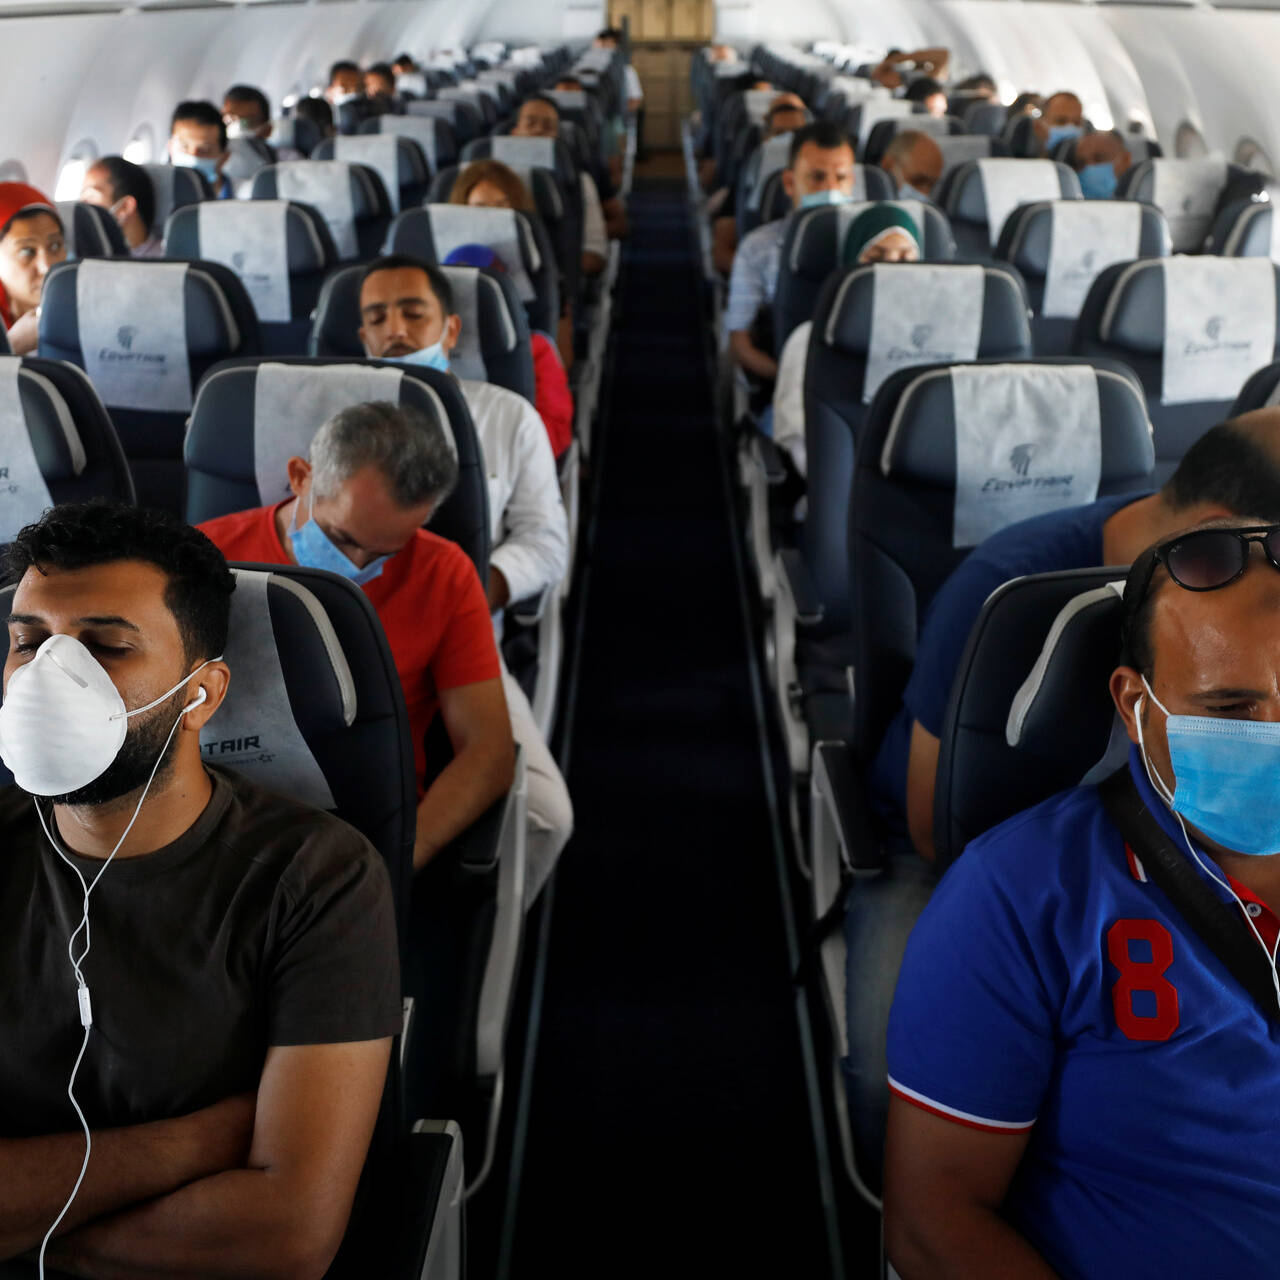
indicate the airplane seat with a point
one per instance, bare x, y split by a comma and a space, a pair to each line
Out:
91, 231
434, 135
979, 196
1260, 391
1243, 229
959, 148
280, 250
315, 711
520, 240
1024, 143
175, 187
463, 119
813, 245
863, 117
1185, 191
986, 118
883, 132
1060, 247
870, 182
867, 325
766, 159
919, 502
482, 112
351, 198
57, 442
492, 347
550, 154
145, 332
251, 416
1167, 320
1030, 704
396, 158
294, 133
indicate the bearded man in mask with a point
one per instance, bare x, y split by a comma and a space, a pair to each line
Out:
1083, 1045
227, 1036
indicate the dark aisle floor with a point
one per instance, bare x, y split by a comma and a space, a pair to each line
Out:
669, 1132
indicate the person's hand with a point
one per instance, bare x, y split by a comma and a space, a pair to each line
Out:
24, 336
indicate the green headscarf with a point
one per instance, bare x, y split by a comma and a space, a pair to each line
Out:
873, 223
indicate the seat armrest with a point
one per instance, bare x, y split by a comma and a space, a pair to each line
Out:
844, 795
804, 594
528, 612
476, 850
432, 1245
768, 457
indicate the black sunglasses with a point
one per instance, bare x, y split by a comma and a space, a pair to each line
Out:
1208, 559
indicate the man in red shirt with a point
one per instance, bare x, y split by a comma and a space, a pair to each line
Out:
376, 474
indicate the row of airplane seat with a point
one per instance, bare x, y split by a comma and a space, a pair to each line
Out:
332, 430
976, 361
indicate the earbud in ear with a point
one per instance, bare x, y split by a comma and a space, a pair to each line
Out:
202, 696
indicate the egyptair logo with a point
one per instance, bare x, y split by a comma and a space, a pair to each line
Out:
1020, 458
238, 259
920, 335
1213, 327
125, 335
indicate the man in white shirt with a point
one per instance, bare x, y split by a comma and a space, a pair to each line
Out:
407, 313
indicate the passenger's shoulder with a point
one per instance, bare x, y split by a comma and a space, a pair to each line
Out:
17, 808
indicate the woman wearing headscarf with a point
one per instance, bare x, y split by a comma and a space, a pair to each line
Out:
882, 233
31, 242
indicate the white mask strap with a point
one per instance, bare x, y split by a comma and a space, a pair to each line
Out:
1152, 776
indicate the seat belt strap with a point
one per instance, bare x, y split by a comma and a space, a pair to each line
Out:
1218, 924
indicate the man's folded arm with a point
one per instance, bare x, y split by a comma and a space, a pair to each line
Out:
127, 1166
283, 1215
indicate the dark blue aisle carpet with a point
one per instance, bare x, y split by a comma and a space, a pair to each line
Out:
668, 1134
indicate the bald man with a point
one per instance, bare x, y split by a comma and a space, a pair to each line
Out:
914, 161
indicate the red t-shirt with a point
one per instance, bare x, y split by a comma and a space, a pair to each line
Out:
552, 397
429, 599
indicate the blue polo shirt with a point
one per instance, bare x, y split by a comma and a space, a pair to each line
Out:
1050, 987
1068, 539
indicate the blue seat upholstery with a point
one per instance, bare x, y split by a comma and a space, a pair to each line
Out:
883, 132
361, 186
175, 187
309, 256
962, 196
494, 343
1198, 184
413, 169
434, 135
1028, 243
219, 323
91, 231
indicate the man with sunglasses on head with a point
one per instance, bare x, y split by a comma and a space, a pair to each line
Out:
1084, 1048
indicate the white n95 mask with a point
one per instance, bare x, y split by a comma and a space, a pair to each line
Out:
63, 722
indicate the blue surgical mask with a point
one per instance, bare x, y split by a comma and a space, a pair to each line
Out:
207, 167
1061, 132
432, 357
907, 192
1098, 181
1226, 778
828, 195
315, 550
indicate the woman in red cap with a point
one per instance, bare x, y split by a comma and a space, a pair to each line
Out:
31, 242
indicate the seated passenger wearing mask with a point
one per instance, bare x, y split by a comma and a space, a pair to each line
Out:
198, 140
319, 112
1061, 117
820, 171
1083, 1082
125, 191
1232, 470
1102, 160
490, 184
374, 475
243, 987
880, 234
929, 93
407, 314
785, 115
539, 117
914, 161
380, 86
552, 397
246, 112
346, 83
31, 242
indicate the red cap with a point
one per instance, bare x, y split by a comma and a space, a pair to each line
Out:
15, 197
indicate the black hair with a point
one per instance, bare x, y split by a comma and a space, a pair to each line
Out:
539, 97
79, 535
778, 108
823, 134
923, 87
1226, 467
610, 33
382, 69
317, 110
200, 113
440, 285
404, 60
342, 65
128, 179
976, 82
247, 93
1141, 587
